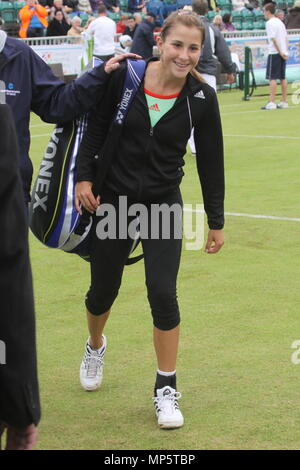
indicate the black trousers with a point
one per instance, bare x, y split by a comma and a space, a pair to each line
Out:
162, 252
35, 32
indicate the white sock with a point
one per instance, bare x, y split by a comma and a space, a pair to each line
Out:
166, 374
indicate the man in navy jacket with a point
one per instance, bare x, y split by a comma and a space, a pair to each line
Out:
28, 84
143, 39
19, 393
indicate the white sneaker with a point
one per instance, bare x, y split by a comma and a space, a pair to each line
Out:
91, 369
283, 104
270, 105
167, 410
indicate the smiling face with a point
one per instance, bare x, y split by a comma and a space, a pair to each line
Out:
180, 50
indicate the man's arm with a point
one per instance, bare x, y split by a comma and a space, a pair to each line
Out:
54, 101
277, 47
223, 53
149, 36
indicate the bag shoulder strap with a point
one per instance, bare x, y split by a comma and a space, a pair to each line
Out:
134, 75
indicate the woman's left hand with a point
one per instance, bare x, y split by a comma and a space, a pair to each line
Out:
215, 241
114, 63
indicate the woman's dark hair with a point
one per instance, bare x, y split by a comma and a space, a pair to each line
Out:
226, 17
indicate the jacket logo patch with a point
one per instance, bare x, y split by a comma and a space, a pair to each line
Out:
7, 90
200, 94
154, 107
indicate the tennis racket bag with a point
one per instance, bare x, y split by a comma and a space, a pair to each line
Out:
53, 217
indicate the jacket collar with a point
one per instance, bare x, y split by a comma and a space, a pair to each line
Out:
152, 25
11, 48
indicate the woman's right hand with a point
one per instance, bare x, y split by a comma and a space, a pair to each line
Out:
84, 197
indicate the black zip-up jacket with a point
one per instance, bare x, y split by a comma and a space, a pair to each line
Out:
146, 163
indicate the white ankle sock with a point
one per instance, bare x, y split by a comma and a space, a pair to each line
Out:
166, 374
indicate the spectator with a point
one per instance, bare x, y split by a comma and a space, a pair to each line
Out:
238, 4
227, 22
37, 89
215, 49
218, 23
212, 5
251, 4
112, 5
187, 8
138, 18
89, 21
70, 5
19, 391
143, 40
58, 5
135, 6
33, 20
125, 44
280, 14
84, 6
58, 26
131, 26
95, 5
121, 25
164, 9
278, 54
75, 29
46, 4
103, 29
292, 20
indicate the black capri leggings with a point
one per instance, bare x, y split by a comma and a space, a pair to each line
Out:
162, 251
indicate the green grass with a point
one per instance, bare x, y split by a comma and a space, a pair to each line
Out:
239, 311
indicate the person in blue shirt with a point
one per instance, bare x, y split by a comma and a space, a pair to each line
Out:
33, 18
135, 6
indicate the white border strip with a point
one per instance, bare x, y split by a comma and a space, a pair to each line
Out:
262, 136
227, 113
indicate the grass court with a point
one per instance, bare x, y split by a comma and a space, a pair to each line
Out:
239, 310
